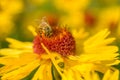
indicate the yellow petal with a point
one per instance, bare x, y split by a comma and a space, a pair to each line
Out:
39, 74
102, 49
80, 34
70, 75
21, 72
83, 68
115, 62
77, 75
115, 75
107, 75
12, 63
111, 75
55, 63
12, 52
43, 72
95, 76
95, 57
32, 29
98, 40
88, 76
47, 74
18, 44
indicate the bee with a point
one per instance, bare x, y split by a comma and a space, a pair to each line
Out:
44, 28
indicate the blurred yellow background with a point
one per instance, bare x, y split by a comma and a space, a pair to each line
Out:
91, 15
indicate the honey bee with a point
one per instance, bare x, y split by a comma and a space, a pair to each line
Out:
44, 28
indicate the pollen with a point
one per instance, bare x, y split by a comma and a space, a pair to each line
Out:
61, 42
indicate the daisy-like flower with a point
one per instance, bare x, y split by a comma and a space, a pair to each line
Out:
53, 55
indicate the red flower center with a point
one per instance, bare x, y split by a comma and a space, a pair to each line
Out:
61, 41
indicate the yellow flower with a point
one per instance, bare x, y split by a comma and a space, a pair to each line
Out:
11, 7
96, 55
70, 5
74, 10
75, 18
6, 24
112, 74
109, 18
8, 10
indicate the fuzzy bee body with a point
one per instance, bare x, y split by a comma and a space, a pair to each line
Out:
44, 28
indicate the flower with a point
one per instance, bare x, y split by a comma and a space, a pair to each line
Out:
70, 5
8, 10
108, 17
96, 55
109, 75
74, 11
54, 38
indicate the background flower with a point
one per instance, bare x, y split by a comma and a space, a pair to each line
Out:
8, 12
